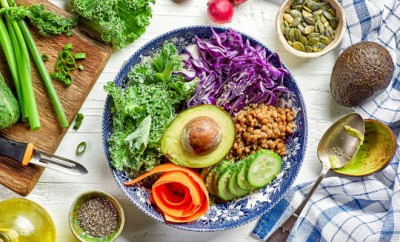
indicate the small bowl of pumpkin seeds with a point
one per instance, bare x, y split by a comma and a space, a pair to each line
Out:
310, 28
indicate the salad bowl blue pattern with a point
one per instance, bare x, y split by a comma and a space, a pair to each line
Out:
225, 215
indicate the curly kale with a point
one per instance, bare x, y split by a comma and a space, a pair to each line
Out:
121, 22
143, 110
47, 22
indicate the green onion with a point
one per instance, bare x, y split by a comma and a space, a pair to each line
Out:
10, 52
25, 75
81, 68
81, 148
45, 57
44, 74
80, 116
80, 56
69, 34
68, 46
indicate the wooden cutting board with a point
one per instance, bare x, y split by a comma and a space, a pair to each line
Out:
13, 175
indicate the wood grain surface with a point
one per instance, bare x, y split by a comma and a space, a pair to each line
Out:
22, 179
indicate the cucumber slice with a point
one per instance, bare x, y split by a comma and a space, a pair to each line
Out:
223, 184
263, 167
233, 186
209, 179
204, 172
241, 176
212, 177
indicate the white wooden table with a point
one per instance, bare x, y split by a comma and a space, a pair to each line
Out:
56, 192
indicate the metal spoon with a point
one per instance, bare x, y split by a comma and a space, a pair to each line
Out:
335, 149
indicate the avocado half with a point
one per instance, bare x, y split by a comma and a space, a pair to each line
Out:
174, 149
360, 73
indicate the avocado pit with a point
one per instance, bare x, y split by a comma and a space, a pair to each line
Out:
201, 135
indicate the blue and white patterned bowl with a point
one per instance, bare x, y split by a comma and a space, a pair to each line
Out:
229, 214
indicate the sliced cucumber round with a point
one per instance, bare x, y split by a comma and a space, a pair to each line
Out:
233, 186
263, 167
241, 176
223, 184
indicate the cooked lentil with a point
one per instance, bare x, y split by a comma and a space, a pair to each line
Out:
261, 127
98, 217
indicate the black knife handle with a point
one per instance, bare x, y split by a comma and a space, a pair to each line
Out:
18, 151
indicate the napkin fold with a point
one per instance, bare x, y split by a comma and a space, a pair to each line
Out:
346, 208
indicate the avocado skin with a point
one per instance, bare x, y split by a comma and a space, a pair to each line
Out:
361, 72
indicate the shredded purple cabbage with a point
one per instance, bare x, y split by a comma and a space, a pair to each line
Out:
233, 73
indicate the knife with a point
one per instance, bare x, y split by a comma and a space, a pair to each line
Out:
26, 153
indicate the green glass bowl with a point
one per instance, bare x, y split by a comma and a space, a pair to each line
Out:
374, 154
74, 223
24, 220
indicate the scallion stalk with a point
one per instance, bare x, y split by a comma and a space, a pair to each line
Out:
37, 58
9, 51
25, 75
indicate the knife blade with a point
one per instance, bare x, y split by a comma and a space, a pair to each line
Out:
26, 153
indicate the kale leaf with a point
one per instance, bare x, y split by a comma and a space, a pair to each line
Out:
143, 110
121, 22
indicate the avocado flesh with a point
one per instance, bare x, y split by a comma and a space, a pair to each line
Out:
360, 73
171, 145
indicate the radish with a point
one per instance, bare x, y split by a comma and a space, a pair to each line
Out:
220, 11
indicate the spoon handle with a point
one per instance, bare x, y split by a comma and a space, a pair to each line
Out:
282, 233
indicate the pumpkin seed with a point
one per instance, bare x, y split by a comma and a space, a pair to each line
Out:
295, 13
287, 30
332, 11
324, 40
297, 2
312, 41
327, 15
321, 46
297, 34
303, 40
329, 34
315, 6
295, 22
321, 27
334, 23
313, 35
283, 27
298, 7
286, 23
308, 25
307, 9
298, 46
308, 30
309, 3
310, 21
308, 49
323, 19
325, 6
306, 14
288, 18
291, 34
301, 28
318, 12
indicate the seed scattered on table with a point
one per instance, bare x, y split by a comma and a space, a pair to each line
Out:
98, 217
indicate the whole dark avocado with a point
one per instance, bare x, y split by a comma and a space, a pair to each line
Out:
361, 72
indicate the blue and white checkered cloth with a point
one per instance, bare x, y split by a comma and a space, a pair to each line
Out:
354, 209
